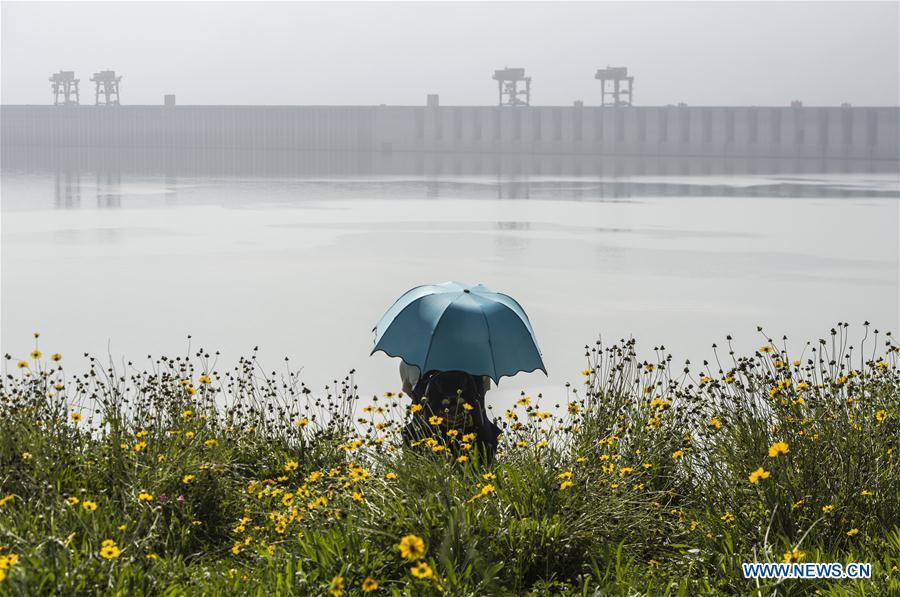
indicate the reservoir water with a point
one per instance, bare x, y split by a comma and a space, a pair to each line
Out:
128, 262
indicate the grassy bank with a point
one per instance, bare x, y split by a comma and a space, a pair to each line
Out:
655, 477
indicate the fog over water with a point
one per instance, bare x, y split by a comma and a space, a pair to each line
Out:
702, 53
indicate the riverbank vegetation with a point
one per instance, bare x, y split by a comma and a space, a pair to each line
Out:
654, 477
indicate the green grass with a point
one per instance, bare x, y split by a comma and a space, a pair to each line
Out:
639, 485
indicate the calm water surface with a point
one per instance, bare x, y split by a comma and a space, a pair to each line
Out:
130, 264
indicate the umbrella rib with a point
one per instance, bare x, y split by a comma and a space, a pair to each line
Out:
490, 345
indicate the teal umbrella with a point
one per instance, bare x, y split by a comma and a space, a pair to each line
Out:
459, 327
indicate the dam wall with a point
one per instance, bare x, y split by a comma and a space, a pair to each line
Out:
833, 133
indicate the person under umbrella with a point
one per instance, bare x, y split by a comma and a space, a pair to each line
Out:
462, 337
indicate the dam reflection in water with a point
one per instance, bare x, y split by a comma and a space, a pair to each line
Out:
95, 175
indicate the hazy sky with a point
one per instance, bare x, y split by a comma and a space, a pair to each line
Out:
727, 53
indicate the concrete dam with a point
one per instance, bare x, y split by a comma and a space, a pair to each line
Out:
796, 133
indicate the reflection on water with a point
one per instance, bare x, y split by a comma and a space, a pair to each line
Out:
107, 175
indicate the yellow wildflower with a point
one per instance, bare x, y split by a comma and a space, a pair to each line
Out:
369, 585
421, 570
758, 474
411, 547
778, 448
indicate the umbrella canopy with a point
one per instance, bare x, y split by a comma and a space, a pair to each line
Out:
459, 327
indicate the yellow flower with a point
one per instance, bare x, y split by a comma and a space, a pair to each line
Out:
677, 454
565, 475
6, 500
827, 508
778, 448
758, 474
881, 415
89, 505
188, 479
36, 354
205, 380
75, 417
462, 459
391, 476
369, 585
435, 420
291, 465
523, 401
865, 492
152, 556
187, 414
625, 471
145, 497
852, 532
416, 408
22, 364
794, 555
467, 406
715, 423
727, 517
56, 356
337, 586
110, 551
566, 485
587, 372
411, 547
211, 443
766, 349
797, 504
421, 570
